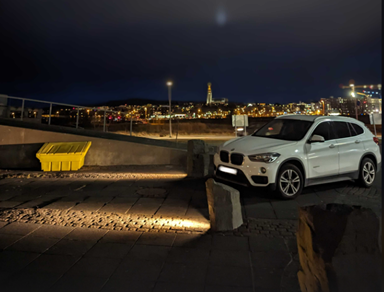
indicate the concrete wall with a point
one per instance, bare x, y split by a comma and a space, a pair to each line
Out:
18, 146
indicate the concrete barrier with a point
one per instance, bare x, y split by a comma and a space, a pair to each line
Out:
18, 141
200, 159
224, 206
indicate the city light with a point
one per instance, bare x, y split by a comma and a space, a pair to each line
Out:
169, 83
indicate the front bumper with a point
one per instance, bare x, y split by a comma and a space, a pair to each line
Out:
249, 173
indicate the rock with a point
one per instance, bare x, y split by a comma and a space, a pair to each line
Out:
224, 206
198, 159
338, 249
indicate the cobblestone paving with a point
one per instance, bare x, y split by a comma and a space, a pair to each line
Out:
100, 231
142, 223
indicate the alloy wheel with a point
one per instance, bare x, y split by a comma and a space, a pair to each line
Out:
368, 173
290, 182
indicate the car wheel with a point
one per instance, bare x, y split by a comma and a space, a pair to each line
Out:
290, 182
367, 173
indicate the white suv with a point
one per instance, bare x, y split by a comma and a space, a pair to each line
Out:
294, 151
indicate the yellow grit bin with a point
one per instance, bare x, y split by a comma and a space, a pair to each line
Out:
63, 156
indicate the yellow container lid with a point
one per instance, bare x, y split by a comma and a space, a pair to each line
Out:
64, 148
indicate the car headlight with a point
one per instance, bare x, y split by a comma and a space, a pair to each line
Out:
264, 157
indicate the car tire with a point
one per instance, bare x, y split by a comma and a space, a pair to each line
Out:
367, 173
289, 182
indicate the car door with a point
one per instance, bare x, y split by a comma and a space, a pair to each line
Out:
350, 146
322, 157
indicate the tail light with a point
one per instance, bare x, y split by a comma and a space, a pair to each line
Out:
376, 140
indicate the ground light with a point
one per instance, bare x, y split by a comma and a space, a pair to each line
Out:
105, 220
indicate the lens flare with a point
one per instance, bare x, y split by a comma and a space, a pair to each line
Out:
221, 16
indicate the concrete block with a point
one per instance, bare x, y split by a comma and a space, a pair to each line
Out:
198, 159
224, 206
338, 249
197, 147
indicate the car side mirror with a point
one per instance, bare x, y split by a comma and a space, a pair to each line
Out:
316, 138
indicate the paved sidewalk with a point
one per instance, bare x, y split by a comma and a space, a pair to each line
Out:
166, 193
148, 230
54, 258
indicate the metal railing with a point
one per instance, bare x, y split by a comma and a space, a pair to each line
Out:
77, 107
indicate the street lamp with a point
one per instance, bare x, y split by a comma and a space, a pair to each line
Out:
322, 101
353, 95
169, 84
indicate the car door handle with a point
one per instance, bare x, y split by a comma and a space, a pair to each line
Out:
331, 146
357, 141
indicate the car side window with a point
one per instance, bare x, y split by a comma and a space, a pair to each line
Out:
341, 130
324, 130
356, 128
352, 130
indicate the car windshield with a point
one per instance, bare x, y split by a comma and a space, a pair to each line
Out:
284, 129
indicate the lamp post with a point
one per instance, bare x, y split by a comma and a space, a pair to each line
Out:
322, 101
353, 95
169, 84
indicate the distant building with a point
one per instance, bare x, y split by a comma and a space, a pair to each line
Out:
371, 105
209, 94
220, 101
210, 99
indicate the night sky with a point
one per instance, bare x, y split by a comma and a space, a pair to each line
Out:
282, 51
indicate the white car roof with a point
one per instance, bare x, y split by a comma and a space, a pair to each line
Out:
319, 118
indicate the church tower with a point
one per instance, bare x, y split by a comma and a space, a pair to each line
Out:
209, 95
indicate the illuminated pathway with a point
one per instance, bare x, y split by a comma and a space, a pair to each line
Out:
147, 229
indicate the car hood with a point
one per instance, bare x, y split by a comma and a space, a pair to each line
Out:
254, 145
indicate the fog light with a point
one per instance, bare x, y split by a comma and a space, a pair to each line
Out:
263, 170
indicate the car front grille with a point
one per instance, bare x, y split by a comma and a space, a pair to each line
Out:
237, 159
224, 156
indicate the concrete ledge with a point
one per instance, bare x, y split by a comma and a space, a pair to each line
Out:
88, 133
106, 150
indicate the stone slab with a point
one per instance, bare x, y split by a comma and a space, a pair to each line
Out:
160, 239
93, 266
146, 206
120, 205
76, 283
16, 228
121, 236
229, 275
12, 261
260, 210
71, 247
137, 270
183, 273
188, 255
32, 243
86, 234
52, 264
230, 243
109, 250
148, 253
